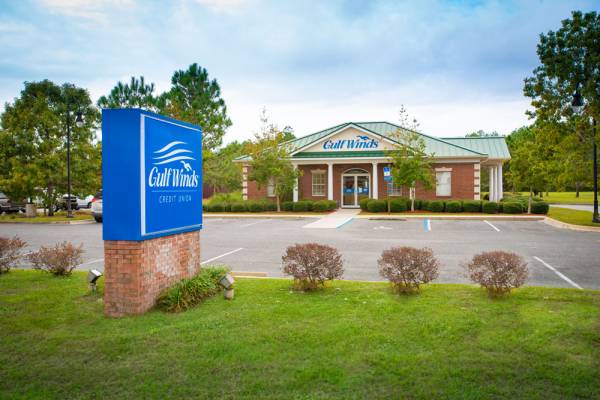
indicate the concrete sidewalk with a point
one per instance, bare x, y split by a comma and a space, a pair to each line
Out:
335, 219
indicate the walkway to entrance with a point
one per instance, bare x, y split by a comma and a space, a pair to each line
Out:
335, 219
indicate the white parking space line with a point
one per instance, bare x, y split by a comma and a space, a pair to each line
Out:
91, 262
551, 268
222, 255
492, 225
254, 223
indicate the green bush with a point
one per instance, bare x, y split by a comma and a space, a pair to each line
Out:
454, 206
539, 207
512, 207
490, 207
377, 206
227, 197
189, 292
332, 205
238, 207
398, 205
270, 206
287, 206
421, 204
301, 206
363, 204
256, 206
500, 207
435, 206
217, 206
471, 206
320, 206
309, 204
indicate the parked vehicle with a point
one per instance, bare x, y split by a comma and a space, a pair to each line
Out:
97, 206
9, 206
62, 204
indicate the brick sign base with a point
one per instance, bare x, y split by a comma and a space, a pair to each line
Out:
137, 272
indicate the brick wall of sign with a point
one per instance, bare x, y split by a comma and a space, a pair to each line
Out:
136, 273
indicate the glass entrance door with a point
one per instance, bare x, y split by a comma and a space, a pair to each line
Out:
354, 189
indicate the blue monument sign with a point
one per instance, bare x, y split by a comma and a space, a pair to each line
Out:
387, 174
152, 175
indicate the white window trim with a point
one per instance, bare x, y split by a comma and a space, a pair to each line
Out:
393, 193
318, 172
271, 188
443, 170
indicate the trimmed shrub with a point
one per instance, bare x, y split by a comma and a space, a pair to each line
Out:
498, 271
512, 207
364, 204
419, 204
377, 206
398, 205
312, 264
471, 206
324, 205
490, 207
238, 207
407, 268
435, 206
301, 206
309, 205
539, 207
270, 206
287, 206
500, 207
486, 196
256, 206
60, 259
188, 293
10, 253
453, 206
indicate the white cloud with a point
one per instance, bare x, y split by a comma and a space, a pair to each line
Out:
92, 10
225, 6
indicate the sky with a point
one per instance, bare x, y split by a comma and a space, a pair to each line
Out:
456, 66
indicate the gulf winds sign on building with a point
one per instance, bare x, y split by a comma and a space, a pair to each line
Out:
360, 142
152, 175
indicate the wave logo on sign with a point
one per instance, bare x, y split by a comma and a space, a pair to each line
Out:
361, 142
171, 167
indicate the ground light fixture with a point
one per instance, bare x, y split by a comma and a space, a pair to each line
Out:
227, 282
93, 277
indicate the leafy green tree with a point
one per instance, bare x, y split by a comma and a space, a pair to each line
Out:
220, 172
33, 143
410, 163
196, 99
270, 164
482, 133
135, 94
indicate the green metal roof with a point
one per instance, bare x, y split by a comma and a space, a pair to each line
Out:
493, 146
447, 147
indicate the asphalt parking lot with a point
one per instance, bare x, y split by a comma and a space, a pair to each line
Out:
556, 257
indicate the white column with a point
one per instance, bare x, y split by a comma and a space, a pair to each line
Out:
295, 198
329, 181
375, 182
500, 183
492, 183
245, 182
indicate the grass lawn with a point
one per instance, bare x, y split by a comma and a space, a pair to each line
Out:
353, 340
576, 217
567, 197
58, 217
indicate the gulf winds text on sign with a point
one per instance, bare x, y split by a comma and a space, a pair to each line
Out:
153, 173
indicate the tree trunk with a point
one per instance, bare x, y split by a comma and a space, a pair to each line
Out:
412, 199
577, 189
529, 202
278, 204
50, 194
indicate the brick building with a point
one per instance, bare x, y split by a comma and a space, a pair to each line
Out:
347, 163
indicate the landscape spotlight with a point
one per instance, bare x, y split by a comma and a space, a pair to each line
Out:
79, 119
226, 281
93, 277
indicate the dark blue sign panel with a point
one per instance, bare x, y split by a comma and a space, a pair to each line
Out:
152, 175
387, 174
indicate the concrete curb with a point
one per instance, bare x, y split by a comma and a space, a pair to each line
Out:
454, 217
564, 225
261, 215
80, 222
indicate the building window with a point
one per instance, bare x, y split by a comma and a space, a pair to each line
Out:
443, 183
271, 188
318, 183
395, 189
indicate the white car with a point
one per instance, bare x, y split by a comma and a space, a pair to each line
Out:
97, 206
